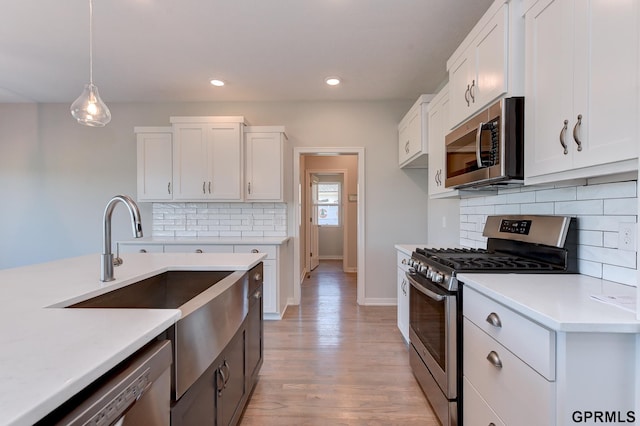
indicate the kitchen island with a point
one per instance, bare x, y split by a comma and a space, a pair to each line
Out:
50, 353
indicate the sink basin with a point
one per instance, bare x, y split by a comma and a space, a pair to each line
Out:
169, 290
213, 306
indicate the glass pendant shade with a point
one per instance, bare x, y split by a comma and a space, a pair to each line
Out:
89, 109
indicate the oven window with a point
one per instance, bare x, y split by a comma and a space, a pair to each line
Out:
427, 318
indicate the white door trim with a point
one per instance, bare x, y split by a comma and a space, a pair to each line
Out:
297, 153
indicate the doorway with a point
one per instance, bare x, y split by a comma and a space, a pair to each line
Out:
330, 217
353, 211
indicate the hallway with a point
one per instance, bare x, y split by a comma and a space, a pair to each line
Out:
332, 362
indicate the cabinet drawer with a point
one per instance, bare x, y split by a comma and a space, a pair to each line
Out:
517, 394
269, 250
197, 248
531, 342
403, 261
475, 410
140, 248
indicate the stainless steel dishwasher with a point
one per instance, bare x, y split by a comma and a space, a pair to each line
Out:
136, 392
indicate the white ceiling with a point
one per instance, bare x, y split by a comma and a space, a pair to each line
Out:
266, 50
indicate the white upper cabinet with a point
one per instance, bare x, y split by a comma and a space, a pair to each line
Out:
488, 63
268, 163
438, 116
581, 91
154, 163
413, 131
207, 158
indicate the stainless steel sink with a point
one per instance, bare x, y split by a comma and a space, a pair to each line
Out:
214, 305
169, 290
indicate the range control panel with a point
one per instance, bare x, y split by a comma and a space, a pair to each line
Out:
521, 227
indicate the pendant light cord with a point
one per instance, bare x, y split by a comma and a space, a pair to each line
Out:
91, 42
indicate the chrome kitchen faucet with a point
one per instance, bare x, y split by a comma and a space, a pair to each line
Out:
107, 260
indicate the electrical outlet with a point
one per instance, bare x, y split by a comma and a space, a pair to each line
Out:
627, 236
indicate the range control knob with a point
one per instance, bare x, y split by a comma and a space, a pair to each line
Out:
437, 277
423, 268
430, 272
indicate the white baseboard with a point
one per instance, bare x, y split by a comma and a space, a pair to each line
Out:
351, 270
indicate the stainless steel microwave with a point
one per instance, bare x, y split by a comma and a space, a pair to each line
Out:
488, 148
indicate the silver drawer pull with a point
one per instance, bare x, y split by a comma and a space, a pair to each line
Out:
494, 320
198, 250
494, 359
143, 251
255, 251
404, 261
257, 276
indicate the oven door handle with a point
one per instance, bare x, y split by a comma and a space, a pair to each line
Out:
435, 296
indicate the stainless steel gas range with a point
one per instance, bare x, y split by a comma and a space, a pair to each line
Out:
515, 244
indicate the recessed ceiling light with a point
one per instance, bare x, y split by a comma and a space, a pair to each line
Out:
217, 83
332, 81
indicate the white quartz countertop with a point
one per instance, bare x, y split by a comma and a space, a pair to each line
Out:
50, 353
408, 248
561, 302
208, 240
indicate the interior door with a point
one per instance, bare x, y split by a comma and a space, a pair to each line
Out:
313, 248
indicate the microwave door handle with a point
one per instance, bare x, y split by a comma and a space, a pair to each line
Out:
478, 146
423, 290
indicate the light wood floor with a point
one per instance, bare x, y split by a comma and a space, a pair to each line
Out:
332, 362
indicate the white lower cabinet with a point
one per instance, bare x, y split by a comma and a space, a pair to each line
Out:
517, 372
403, 295
273, 303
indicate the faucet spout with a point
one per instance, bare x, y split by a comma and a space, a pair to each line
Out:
107, 260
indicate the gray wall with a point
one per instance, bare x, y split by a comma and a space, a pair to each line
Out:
57, 176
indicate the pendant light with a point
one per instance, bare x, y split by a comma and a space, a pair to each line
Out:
89, 109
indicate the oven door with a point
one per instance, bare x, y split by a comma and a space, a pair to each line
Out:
433, 331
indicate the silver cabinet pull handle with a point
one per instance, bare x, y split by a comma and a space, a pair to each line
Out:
494, 359
199, 251
257, 276
209, 187
404, 261
473, 98
143, 251
479, 145
169, 188
494, 320
249, 187
255, 251
576, 137
466, 95
203, 187
563, 132
406, 147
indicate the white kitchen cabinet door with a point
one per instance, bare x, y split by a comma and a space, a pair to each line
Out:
265, 166
479, 71
207, 158
403, 290
154, 163
270, 287
224, 152
581, 92
413, 132
191, 171
438, 113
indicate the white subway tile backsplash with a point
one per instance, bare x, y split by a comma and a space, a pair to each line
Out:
599, 206
587, 207
219, 220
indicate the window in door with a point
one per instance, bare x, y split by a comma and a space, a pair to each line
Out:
329, 211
